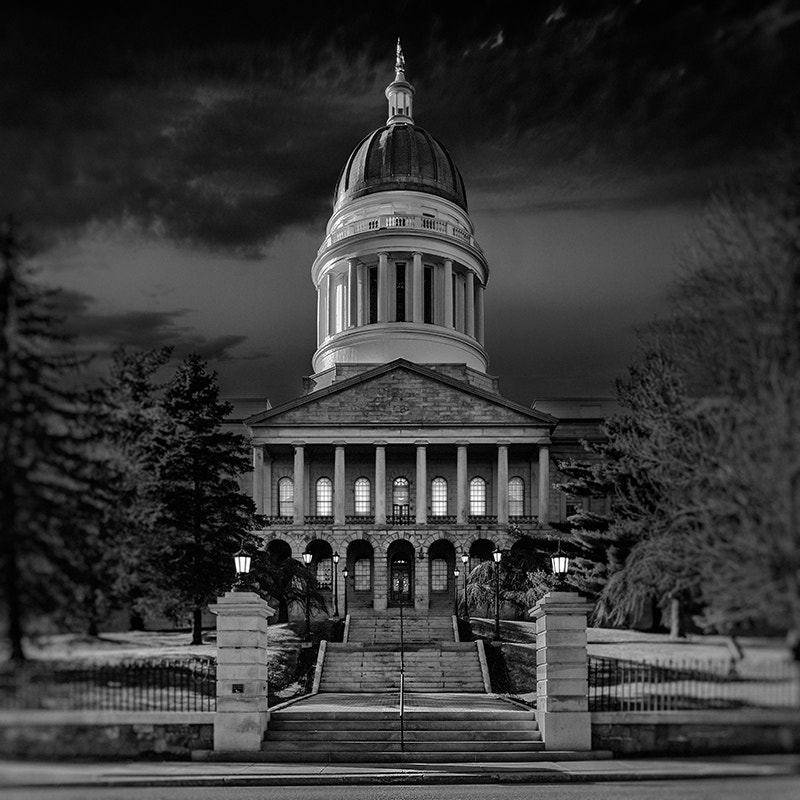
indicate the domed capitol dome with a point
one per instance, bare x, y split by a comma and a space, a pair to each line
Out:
399, 273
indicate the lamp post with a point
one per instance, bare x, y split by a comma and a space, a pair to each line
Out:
497, 555
464, 561
344, 575
336, 585
241, 561
560, 564
307, 561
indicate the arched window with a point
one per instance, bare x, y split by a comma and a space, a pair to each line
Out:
516, 497
285, 497
362, 575
324, 497
439, 574
324, 573
362, 496
439, 497
477, 497
401, 502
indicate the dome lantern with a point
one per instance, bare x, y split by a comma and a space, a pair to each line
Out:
400, 93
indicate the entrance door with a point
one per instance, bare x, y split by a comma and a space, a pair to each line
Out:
401, 582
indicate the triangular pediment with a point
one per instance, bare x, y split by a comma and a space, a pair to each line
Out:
401, 393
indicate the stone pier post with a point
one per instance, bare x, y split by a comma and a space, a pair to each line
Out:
241, 717
562, 684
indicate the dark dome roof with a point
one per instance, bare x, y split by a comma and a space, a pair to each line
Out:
400, 157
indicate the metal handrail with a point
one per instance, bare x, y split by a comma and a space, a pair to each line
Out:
402, 678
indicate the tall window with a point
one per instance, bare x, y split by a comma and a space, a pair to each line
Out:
401, 501
477, 497
373, 295
439, 573
516, 497
362, 575
324, 497
400, 294
439, 497
427, 298
361, 493
286, 497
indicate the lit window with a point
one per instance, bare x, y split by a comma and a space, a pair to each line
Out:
362, 575
362, 496
324, 497
516, 497
439, 574
286, 497
439, 497
324, 573
401, 502
477, 497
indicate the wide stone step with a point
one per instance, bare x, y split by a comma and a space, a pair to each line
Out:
326, 726
421, 717
356, 747
458, 736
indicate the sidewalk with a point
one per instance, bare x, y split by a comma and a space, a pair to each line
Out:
15, 775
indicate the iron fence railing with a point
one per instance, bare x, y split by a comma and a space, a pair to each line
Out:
165, 685
680, 685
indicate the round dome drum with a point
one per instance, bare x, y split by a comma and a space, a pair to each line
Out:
400, 157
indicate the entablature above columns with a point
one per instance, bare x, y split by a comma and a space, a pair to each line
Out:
401, 436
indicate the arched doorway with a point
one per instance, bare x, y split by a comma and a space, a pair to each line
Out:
441, 562
479, 551
275, 576
360, 575
401, 574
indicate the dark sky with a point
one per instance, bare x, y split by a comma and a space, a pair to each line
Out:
176, 167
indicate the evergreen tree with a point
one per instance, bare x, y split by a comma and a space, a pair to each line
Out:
48, 467
204, 516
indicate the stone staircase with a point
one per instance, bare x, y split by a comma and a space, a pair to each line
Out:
462, 730
440, 667
385, 629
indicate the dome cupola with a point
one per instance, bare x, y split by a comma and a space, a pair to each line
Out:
399, 274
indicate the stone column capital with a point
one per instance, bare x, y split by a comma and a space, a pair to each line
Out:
421, 442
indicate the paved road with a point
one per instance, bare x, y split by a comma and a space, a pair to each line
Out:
776, 788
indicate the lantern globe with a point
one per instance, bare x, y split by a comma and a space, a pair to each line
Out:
560, 564
242, 563
307, 558
497, 555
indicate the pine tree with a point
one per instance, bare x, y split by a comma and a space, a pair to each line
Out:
48, 467
204, 515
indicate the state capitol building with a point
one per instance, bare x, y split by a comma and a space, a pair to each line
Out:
402, 456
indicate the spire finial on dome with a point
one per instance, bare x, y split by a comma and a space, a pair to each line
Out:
400, 63
400, 92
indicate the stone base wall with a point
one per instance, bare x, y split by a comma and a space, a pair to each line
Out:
696, 732
113, 736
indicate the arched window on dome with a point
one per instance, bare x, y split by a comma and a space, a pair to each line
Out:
324, 497
477, 497
401, 498
516, 497
285, 497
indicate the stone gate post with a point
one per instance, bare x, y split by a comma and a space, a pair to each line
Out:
241, 717
562, 684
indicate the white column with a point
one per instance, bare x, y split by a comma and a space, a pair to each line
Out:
480, 331
418, 286
383, 287
258, 478
352, 292
544, 484
458, 282
299, 484
331, 284
422, 484
462, 499
338, 484
322, 313
380, 483
267, 491
448, 293
469, 304
502, 483
361, 307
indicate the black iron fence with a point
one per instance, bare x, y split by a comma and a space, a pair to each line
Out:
617, 685
126, 686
